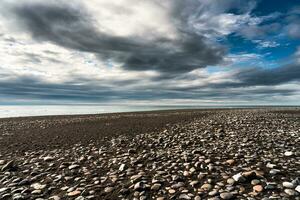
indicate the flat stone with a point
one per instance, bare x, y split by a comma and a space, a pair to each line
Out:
73, 167
122, 167
108, 189
230, 181
290, 192
171, 191
226, 195
258, 188
18, 197
271, 186
184, 196
288, 185
36, 192
80, 198
255, 182
38, 186
74, 193
230, 162
3, 189
239, 177
206, 186
139, 186
54, 198
275, 171
288, 153
270, 165
155, 187
213, 193
298, 188
194, 183
48, 158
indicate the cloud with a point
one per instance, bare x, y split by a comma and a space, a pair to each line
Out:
264, 77
266, 44
71, 27
141, 51
293, 29
33, 89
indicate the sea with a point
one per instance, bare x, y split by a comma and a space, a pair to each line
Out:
7, 111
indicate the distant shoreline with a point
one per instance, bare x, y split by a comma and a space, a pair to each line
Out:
18, 111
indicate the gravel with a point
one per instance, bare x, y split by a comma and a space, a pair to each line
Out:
210, 154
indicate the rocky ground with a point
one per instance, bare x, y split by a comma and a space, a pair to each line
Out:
203, 154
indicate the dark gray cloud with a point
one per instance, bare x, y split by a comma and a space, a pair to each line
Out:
264, 77
34, 89
72, 27
274, 76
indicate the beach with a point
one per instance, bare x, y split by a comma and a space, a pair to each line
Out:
251, 153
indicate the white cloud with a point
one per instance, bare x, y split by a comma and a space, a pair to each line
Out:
266, 44
127, 18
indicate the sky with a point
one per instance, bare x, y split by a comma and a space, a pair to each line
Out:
150, 52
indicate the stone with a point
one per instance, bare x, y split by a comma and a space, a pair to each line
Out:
288, 185
80, 198
239, 177
171, 191
275, 171
54, 198
226, 195
288, 153
36, 192
270, 165
122, 167
258, 188
206, 186
108, 189
255, 182
73, 167
139, 186
3, 189
18, 197
184, 196
131, 151
8, 166
155, 187
48, 158
213, 193
271, 186
74, 193
38, 186
290, 192
230, 181
298, 188
230, 162
194, 183
135, 178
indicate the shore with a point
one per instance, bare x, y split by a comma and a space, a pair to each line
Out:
178, 154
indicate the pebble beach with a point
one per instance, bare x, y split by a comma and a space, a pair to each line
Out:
181, 154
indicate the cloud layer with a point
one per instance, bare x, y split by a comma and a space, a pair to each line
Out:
125, 51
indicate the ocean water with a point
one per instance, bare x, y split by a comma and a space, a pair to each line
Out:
44, 110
